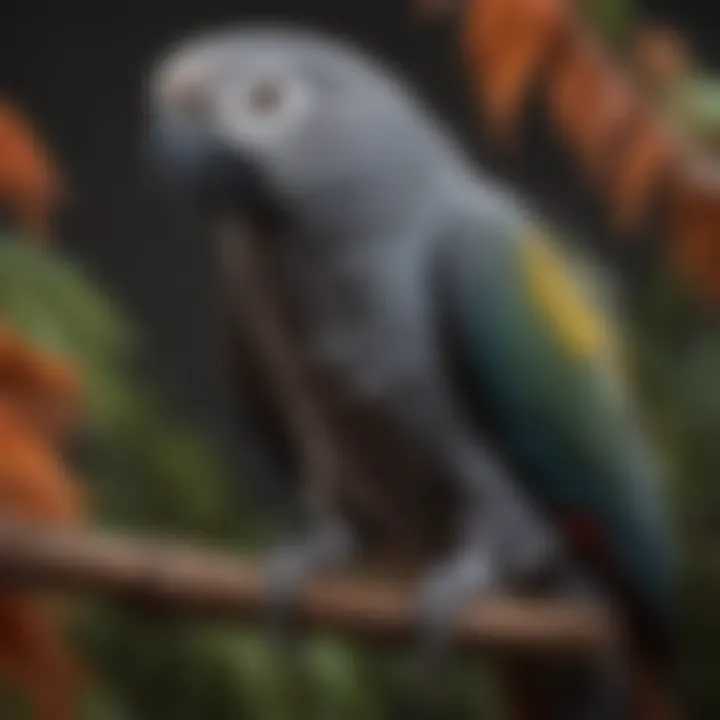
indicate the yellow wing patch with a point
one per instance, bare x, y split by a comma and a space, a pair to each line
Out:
580, 327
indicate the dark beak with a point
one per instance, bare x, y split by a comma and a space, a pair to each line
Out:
198, 167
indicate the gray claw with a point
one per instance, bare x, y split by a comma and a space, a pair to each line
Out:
448, 591
294, 564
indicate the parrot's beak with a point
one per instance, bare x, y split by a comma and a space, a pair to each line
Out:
197, 167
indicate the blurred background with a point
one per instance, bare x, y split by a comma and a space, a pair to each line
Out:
122, 301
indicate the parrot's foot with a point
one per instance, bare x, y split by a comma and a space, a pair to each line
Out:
291, 566
447, 591
444, 593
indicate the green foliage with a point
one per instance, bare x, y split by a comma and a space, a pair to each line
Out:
677, 355
616, 19
56, 305
696, 104
146, 465
13, 706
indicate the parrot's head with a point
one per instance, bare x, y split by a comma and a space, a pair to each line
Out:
290, 122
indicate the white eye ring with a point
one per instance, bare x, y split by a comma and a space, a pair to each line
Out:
264, 110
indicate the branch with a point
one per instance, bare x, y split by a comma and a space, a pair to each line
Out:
180, 578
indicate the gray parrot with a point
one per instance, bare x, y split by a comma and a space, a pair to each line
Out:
413, 346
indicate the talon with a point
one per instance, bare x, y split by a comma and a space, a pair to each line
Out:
444, 595
285, 577
295, 564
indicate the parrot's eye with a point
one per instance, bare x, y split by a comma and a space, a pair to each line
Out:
267, 96
264, 110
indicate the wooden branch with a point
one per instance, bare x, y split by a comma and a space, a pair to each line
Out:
181, 579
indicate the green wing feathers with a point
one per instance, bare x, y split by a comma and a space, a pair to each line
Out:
548, 360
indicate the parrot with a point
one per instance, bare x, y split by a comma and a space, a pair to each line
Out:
458, 395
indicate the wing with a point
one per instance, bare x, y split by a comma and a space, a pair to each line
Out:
528, 351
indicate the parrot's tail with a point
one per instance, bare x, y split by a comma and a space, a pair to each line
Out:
542, 690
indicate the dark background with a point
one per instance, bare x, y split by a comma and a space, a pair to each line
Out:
77, 69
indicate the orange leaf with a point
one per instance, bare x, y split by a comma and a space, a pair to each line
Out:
604, 129
36, 484
695, 219
486, 23
642, 168
42, 386
528, 44
34, 481
29, 184
575, 86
